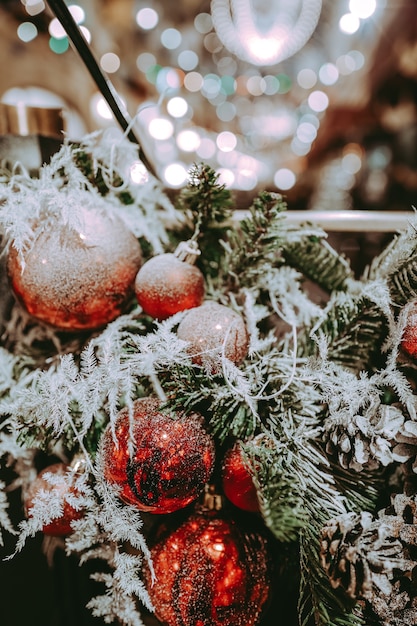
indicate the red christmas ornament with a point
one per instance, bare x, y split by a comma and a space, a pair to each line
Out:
409, 337
212, 329
169, 283
237, 481
77, 279
172, 459
209, 572
60, 525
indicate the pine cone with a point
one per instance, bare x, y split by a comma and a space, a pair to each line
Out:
376, 560
406, 444
364, 441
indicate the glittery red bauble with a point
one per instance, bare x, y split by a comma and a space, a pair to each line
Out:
166, 285
171, 461
209, 572
409, 337
61, 525
237, 481
77, 279
212, 329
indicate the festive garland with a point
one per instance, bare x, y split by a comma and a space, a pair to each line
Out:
208, 427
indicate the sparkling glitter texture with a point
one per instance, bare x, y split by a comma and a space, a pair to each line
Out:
61, 525
211, 330
77, 279
409, 337
237, 481
166, 285
171, 462
209, 572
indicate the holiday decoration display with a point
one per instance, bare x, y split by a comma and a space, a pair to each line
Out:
237, 481
209, 571
77, 278
167, 463
213, 330
169, 283
57, 507
299, 401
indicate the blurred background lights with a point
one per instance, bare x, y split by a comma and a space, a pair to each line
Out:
34, 7
56, 30
175, 174
203, 23
147, 18
110, 62
362, 8
59, 46
100, 107
328, 74
306, 132
351, 162
27, 31
306, 78
226, 177
206, 149
145, 60
188, 60
77, 13
226, 141
171, 38
358, 58
284, 178
86, 33
188, 140
318, 101
193, 81
161, 128
349, 23
177, 106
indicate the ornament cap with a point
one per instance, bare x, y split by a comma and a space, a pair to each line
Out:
187, 251
212, 500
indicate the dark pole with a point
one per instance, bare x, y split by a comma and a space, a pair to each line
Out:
62, 13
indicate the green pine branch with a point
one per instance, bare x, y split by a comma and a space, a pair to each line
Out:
318, 261
402, 282
355, 329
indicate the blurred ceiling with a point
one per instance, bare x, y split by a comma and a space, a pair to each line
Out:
332, 124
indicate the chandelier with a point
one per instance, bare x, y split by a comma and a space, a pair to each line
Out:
265, 32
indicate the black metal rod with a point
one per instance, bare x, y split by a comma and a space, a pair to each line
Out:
109, 93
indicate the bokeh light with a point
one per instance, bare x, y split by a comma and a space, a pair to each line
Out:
147, 18
284, 178
27, 31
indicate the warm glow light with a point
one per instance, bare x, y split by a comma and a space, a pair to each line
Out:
188, 140
362, 8
147, 18
284, 178
349, 23
226, 141
102, 108
110, 62
161, 128
203, 23
318, 101
226, 177
175, 174
177, 107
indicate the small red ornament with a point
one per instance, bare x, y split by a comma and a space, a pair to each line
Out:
212, 329
171, 461
77, 279
209, 571
169, 283
61, 525
409, 336
237, 481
